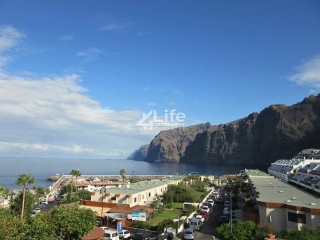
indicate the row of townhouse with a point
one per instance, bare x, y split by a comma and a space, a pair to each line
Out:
303, 170
119, 202
281, 205
308, 177
139, 193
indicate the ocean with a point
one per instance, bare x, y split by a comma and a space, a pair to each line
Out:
42, 168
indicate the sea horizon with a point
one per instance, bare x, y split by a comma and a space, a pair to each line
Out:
41, 168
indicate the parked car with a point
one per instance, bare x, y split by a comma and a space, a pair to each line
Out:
219, 200
124, 234
111, 235
104, 228
204, 214
140, 236
165, 236
188, 234
210, 200
209, 204
33, 213
223, 219
200, 217
205, 208
37, 210
195, 223
226, 211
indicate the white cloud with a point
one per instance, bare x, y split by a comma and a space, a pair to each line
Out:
66, 38
54, 115
90, 54
308, 74
144, 33
151, 104
9, 38
115, 26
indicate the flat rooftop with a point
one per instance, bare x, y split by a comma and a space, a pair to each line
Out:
257, 173
142, 186
273, 190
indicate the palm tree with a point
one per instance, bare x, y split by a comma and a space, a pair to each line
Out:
122, 174
23, 180
75, 174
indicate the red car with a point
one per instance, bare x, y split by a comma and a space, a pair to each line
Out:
204, 214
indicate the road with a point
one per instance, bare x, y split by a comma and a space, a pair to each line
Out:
210, 226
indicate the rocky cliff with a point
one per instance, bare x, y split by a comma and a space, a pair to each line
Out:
139, 154
278, 131
170, 145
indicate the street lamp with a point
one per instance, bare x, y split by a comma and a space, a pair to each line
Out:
102, 191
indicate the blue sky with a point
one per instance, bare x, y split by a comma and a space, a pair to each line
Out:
75, 76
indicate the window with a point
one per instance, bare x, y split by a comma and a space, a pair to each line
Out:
297, 217
135, 199
149, 194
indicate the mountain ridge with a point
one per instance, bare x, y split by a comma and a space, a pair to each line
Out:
278, 131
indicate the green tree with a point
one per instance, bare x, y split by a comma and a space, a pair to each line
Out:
75, 174
243, 230
12, 227
179, 193
4, 192
84, 194
123, 174
28, 202
73, 222
40, 191
305, 233
24, 180
41, 227
67, 189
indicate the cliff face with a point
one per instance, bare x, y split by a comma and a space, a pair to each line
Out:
170, 145
227, 144
278, 131
139, 154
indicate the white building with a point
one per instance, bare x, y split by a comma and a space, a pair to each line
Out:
139, 193
281, 205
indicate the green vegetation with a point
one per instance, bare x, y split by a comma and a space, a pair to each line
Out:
28, 201
243, 230
73, 195
165, 215
192, 189
123, 174
306, 233
60, 223
248, 230
24, 180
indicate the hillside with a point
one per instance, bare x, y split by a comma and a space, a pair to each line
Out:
279, 131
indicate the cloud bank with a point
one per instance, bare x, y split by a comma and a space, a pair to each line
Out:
308, 74
53, 116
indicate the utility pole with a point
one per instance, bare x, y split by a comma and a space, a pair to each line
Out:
231, 208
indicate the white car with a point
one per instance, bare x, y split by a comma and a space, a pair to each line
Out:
188, 233
205, 208
111, 235
37, 210
226, 211
200, 217
124, 234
